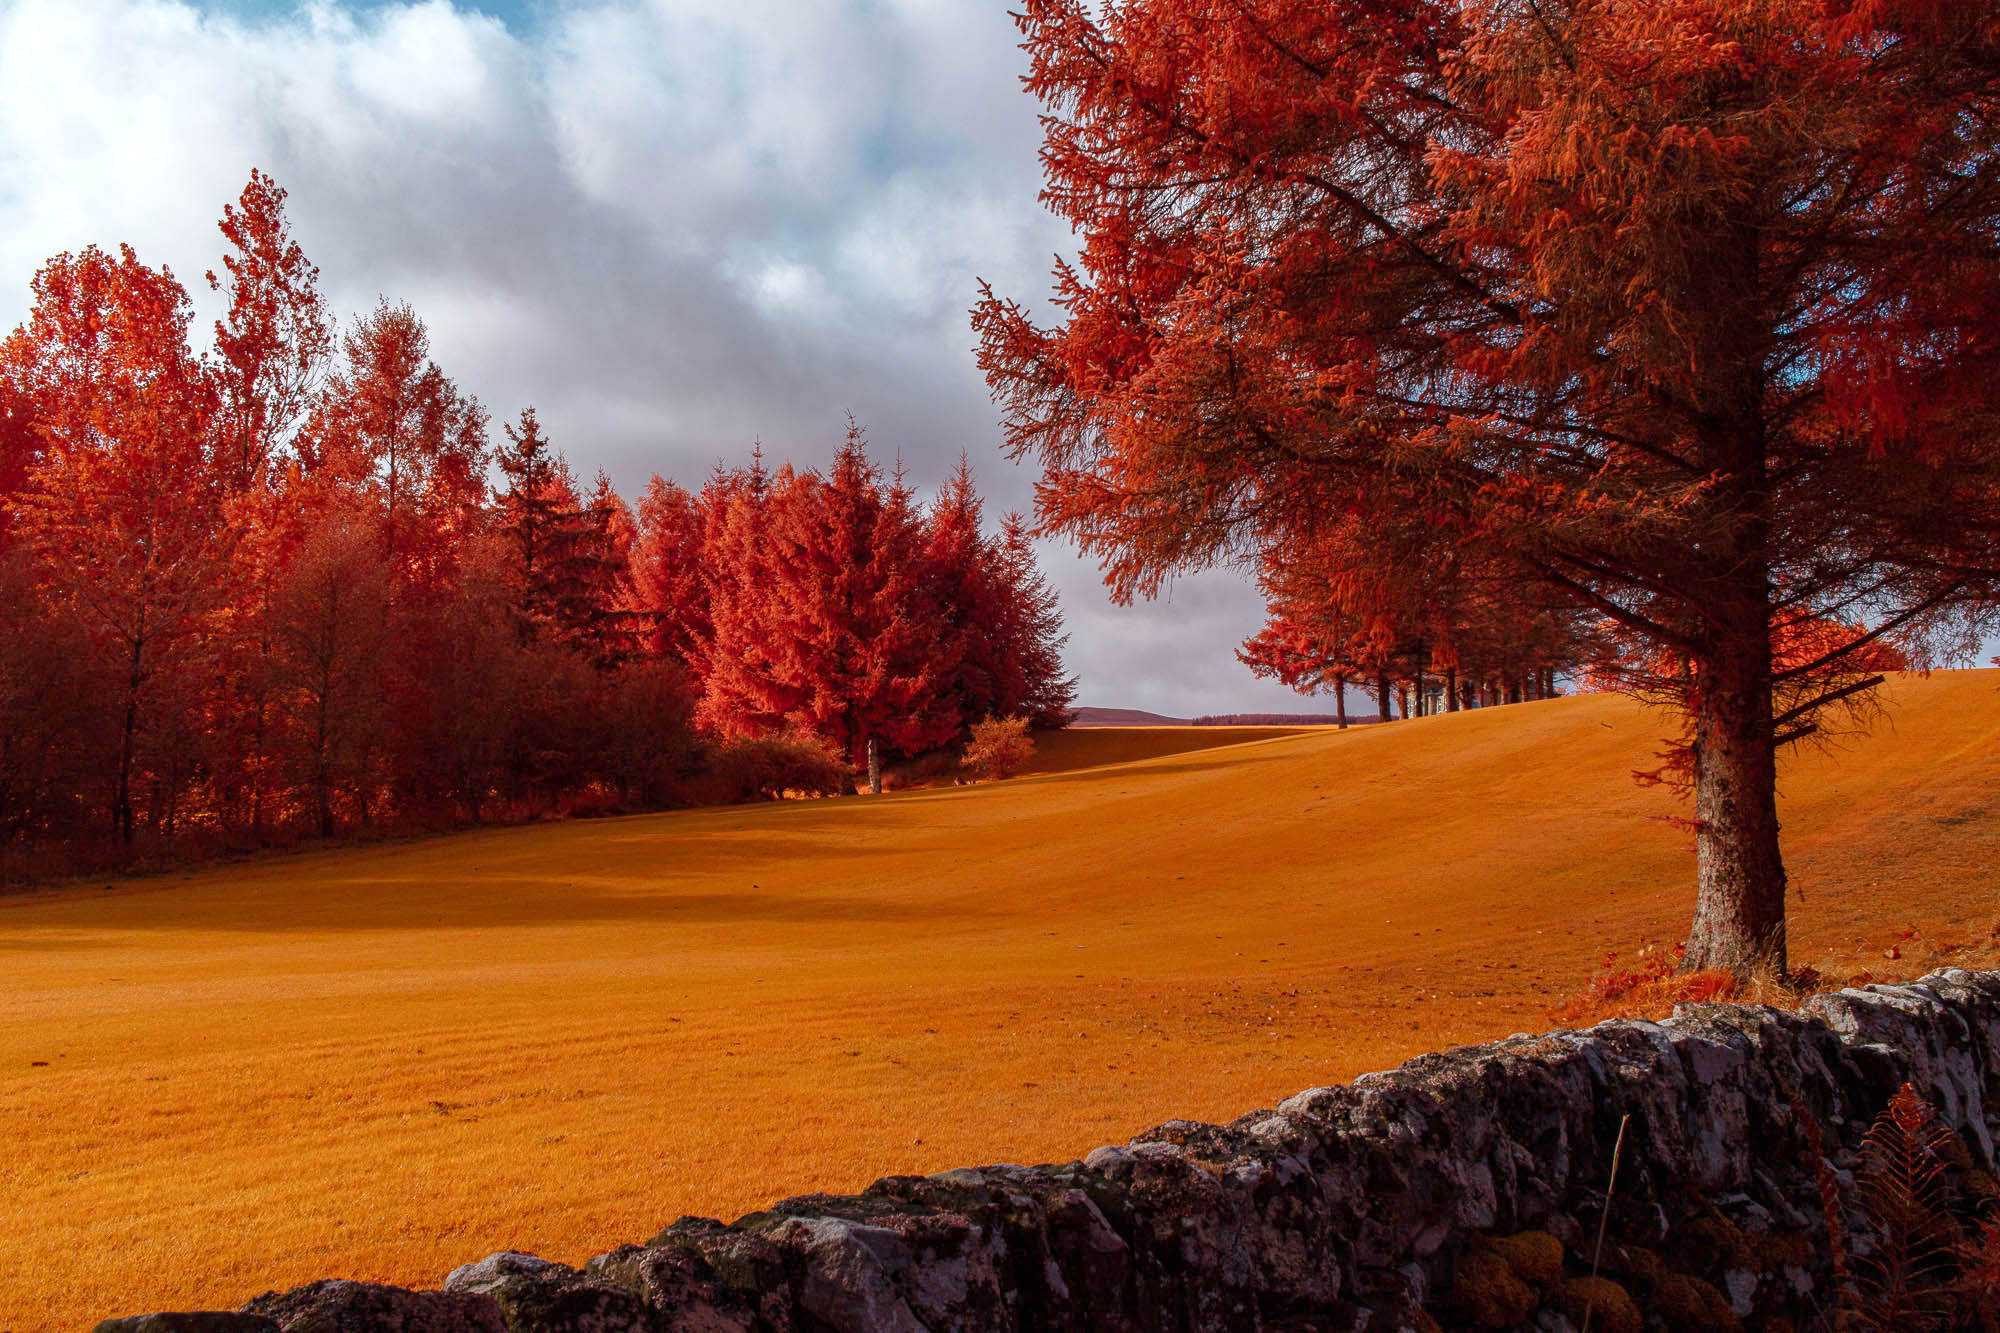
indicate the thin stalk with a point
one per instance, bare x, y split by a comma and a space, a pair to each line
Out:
1597, 1253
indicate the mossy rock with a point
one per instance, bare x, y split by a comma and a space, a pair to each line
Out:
1487, 1294
1535, 1256
1610, 1306
1711, 1243
1688, 1303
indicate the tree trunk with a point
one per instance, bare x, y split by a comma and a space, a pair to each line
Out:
874, 768
1403, 700
1451, 689
1382, 696
121, 796
1340, 700
1739, 915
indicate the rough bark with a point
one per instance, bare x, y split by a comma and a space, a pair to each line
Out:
874, 768
1739, 921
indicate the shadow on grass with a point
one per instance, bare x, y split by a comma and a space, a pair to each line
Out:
495, 879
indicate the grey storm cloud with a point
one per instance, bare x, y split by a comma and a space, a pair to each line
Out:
676, 227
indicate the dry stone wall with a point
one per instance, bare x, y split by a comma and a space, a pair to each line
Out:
1463, 1190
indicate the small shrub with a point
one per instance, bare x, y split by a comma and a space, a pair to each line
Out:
768, 767
1000, 747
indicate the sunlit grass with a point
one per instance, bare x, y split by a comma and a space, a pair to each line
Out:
381, 1063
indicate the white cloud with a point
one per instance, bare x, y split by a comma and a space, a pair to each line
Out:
673, 225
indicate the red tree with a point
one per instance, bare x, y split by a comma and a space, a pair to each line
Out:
827, 623
124, 504
1688, 312
391, 423
272, 350
670, 594
232, 616
330, 625
1000, 620
538, 520
274, 343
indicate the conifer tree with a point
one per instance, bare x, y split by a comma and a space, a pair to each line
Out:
669, 573
827, 624
538, 520
1688, 314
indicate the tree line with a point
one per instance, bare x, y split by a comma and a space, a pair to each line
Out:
1419, 623
290, 585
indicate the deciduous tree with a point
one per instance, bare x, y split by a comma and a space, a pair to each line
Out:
331, 631
124, 504
274, 342
392, 423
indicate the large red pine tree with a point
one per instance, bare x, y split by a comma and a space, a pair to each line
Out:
1686, 311
828, 625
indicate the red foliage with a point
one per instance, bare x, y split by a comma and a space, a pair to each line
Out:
1686, 315
669, 589
266, 594
1649, 988
835, 606
273, 344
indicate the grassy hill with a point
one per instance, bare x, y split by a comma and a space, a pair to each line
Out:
380, 1063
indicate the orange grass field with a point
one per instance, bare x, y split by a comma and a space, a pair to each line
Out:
383, 1062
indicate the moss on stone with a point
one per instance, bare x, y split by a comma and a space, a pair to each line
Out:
1487, 1294
1535, 1256
1688, 1303
1611, 1307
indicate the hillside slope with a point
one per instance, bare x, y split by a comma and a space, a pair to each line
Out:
381, 1063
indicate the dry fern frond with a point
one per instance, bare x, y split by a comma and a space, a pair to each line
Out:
1903, 1283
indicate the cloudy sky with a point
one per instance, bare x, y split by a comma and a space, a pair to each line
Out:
674, 226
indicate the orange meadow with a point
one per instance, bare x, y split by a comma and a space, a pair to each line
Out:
383, 1062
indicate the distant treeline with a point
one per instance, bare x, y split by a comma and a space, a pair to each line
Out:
1282, 720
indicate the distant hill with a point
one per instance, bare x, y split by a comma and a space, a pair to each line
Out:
1124, 717
1133, 717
